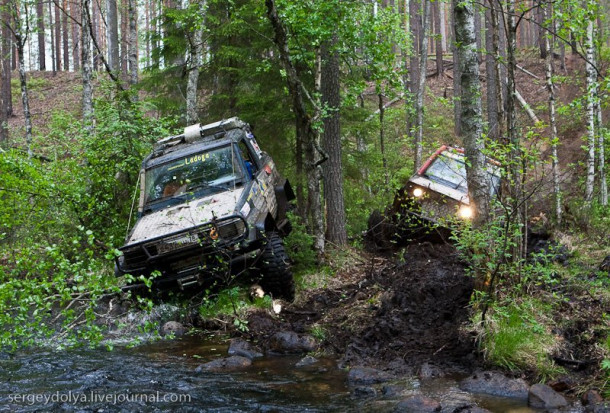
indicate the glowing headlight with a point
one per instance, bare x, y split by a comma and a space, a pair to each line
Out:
418, 192
465, 212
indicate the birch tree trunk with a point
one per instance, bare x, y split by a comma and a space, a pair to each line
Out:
133, 43
548, 55
41, 42
471, 113
421, 87
5, 61
196, 51
86, 64
591, 83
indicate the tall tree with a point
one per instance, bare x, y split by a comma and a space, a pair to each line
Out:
591, 82
75, 23
471, 113
112, 37
86, 25
19, 25
333, 168
65, 35
40, 29
546, 16
305, 130
133, 41
6, 46
57, 27
196, 56
421, 87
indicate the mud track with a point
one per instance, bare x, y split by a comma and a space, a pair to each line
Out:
402, 317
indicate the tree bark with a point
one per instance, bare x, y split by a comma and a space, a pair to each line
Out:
437, 5
112, 35
65, 36
333, 168
421, 87
6, 45
41, 42
86, 26
125, 37
57, 37
471, 113
133, 43
591, 82
490, 75
457, 109
196, 52
75, 12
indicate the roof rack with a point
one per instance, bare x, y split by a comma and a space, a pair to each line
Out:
198, 132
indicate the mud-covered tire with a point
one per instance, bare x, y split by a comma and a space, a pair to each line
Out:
275, 269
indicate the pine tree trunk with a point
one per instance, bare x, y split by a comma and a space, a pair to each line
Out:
471, 112
112, 35
125, 37
421, 87
304, 128
75, 11
86, 63
333, 168
490, 76
5, 57
41, 42
57, 38
196, 51
65, 36
437, 6
457, 109
548, 54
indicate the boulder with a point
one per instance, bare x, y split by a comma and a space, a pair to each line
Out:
289, 342
418, 404
239, 347
173, 327
367, 375
225, 364
495, 384
307, 361
542, 396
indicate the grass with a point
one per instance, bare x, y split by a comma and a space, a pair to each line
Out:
517, 337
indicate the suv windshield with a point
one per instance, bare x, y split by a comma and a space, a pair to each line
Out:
448, 171
451, 171
216, 168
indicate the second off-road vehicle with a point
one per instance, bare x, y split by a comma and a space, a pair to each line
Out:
434, 196
212, 204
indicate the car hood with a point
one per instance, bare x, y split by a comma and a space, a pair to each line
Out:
184, 216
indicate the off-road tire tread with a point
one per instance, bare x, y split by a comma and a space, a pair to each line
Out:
276, 275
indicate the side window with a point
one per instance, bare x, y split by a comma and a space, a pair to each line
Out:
249, 160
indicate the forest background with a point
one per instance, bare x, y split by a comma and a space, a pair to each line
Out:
347, 96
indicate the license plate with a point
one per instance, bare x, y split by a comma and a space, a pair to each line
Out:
177, 243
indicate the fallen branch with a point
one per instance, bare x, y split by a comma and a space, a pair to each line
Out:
527, 72
526, 107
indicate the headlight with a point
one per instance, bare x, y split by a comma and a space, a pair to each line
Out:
418, 192
465, 212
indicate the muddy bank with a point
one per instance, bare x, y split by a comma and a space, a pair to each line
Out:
400, 317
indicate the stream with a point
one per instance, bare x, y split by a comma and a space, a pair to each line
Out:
161, 377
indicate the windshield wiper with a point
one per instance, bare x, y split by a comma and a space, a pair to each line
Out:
204, 185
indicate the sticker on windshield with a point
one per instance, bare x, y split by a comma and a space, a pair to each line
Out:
256, 147
196, 158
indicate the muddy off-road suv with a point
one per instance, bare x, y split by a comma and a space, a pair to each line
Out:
212, 204
434, 196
